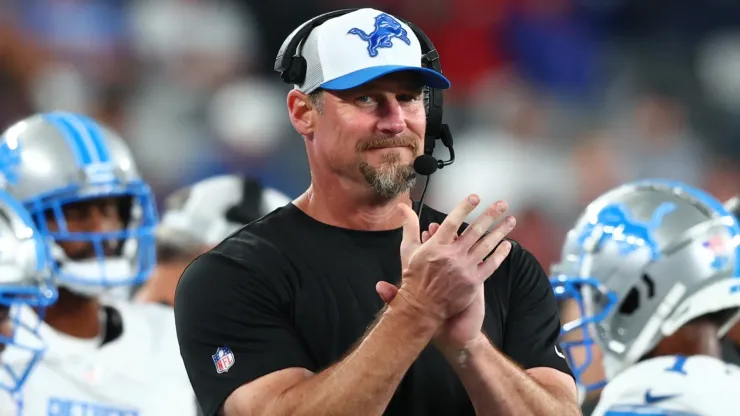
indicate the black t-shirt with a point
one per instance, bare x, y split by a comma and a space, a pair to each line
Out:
289, 291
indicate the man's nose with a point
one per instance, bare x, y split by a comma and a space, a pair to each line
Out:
392, 120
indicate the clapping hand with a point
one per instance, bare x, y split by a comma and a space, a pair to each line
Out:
443, 272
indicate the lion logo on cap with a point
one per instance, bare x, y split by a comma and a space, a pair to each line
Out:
386, 29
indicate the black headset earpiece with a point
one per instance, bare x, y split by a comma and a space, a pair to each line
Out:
248, 207
436, 129
290, 64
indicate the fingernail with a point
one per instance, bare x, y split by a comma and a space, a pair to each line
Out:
511, 221
501, 206
473, 199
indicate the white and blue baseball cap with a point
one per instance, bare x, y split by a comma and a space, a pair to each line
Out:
360, 46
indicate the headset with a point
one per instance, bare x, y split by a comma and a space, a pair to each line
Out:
292, 68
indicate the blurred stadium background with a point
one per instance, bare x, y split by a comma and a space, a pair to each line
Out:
553, 101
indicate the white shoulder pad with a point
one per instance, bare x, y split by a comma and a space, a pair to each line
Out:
673, 385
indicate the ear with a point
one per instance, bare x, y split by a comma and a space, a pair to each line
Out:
301, 111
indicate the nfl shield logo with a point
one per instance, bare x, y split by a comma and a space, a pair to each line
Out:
223, 359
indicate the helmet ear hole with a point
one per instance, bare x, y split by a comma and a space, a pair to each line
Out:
630, 303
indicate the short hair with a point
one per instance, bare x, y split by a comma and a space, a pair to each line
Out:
317, 99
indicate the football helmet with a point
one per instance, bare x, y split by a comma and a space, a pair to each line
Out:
25, 281
641, 261
733, 206
54, 159
203, 214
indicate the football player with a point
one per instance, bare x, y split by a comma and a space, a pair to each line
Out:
80, 184
198, 217
25, 281
731, 344
653, 268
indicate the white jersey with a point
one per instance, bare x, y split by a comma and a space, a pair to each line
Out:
140, 373
7, 405
673, 385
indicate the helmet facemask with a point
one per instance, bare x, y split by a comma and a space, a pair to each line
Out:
112, 258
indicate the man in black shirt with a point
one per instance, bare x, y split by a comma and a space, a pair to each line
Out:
284, 317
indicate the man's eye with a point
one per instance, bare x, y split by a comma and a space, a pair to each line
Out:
409, 97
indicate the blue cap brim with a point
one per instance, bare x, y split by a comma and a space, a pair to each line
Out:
430, 77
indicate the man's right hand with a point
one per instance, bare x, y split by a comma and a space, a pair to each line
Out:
442, 276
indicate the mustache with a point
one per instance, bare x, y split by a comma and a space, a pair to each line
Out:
396, 141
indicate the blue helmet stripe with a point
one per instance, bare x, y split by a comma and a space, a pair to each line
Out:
71, 135
708, 200
79, 128
95, 134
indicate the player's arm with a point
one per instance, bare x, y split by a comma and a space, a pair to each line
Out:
498, 386
362, 383
222, 303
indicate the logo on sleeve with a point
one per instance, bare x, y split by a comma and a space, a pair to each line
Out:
651, 399
223, 359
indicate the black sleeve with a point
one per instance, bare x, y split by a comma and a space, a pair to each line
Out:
532, 322
198, 412
222, 303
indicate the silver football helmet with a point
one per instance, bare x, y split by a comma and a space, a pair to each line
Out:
203, 214
53, 159
642, 261
25, 281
